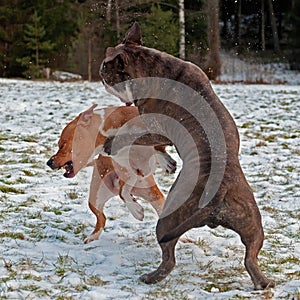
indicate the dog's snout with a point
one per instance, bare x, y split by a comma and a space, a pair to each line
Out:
50, 163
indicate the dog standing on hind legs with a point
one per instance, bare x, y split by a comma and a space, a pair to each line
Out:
132, 69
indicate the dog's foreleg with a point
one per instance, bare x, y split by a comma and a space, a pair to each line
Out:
166, 162
149, 191
126, 195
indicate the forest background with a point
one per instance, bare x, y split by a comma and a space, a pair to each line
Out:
70, 35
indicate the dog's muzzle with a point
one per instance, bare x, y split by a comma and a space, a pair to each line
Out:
50, 163
68, 166
118, 94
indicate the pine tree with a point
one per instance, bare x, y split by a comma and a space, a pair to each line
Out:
37, 47
160, 30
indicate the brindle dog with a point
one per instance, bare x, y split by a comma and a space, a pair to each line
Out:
233, 205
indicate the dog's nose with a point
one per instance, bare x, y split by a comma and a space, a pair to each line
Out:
50, 163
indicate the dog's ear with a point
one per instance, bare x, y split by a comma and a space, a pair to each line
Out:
133, 35
87, 115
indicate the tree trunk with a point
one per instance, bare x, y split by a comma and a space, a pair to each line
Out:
117, 19
181, 30
263, 37
274, 27
108, 11
90, 59
213, 62
238, 16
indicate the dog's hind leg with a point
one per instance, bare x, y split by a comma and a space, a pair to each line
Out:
134, 207
242, 215
101, 220
101, 190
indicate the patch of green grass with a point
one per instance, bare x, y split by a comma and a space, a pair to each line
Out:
247, 124
95, 280
28, 173
72, 195
63, 265
20, 180
269, 209
35, 215
261, 144
290, 259
12, 235
28, 202
30, 276
285, 146
270, 138
222, 234
36, 234
163, 292
296, 151
10, 189
79, 228
30, 139
62, 297
4, 136
294, 214
295, 274
26, 159
290, 168
56, 210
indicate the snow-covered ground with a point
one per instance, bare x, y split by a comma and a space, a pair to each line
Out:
44, 217
235, 69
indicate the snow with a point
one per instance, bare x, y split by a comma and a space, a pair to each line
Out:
46, 218
235, 69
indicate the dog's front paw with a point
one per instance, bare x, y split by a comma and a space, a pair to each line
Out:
171, 166
166, 162
136, 209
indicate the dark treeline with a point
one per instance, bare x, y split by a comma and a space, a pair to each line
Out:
72, 35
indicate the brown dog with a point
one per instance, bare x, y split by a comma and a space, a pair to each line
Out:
83, 138
206, 138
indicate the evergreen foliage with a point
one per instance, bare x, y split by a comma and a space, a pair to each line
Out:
72, 34
161, 30
36, 46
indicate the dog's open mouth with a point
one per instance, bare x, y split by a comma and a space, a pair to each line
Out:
69, 169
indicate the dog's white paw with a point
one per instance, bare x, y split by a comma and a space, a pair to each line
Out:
93, 237
166, 162
136, 210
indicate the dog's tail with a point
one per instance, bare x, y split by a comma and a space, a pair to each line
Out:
197, 219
